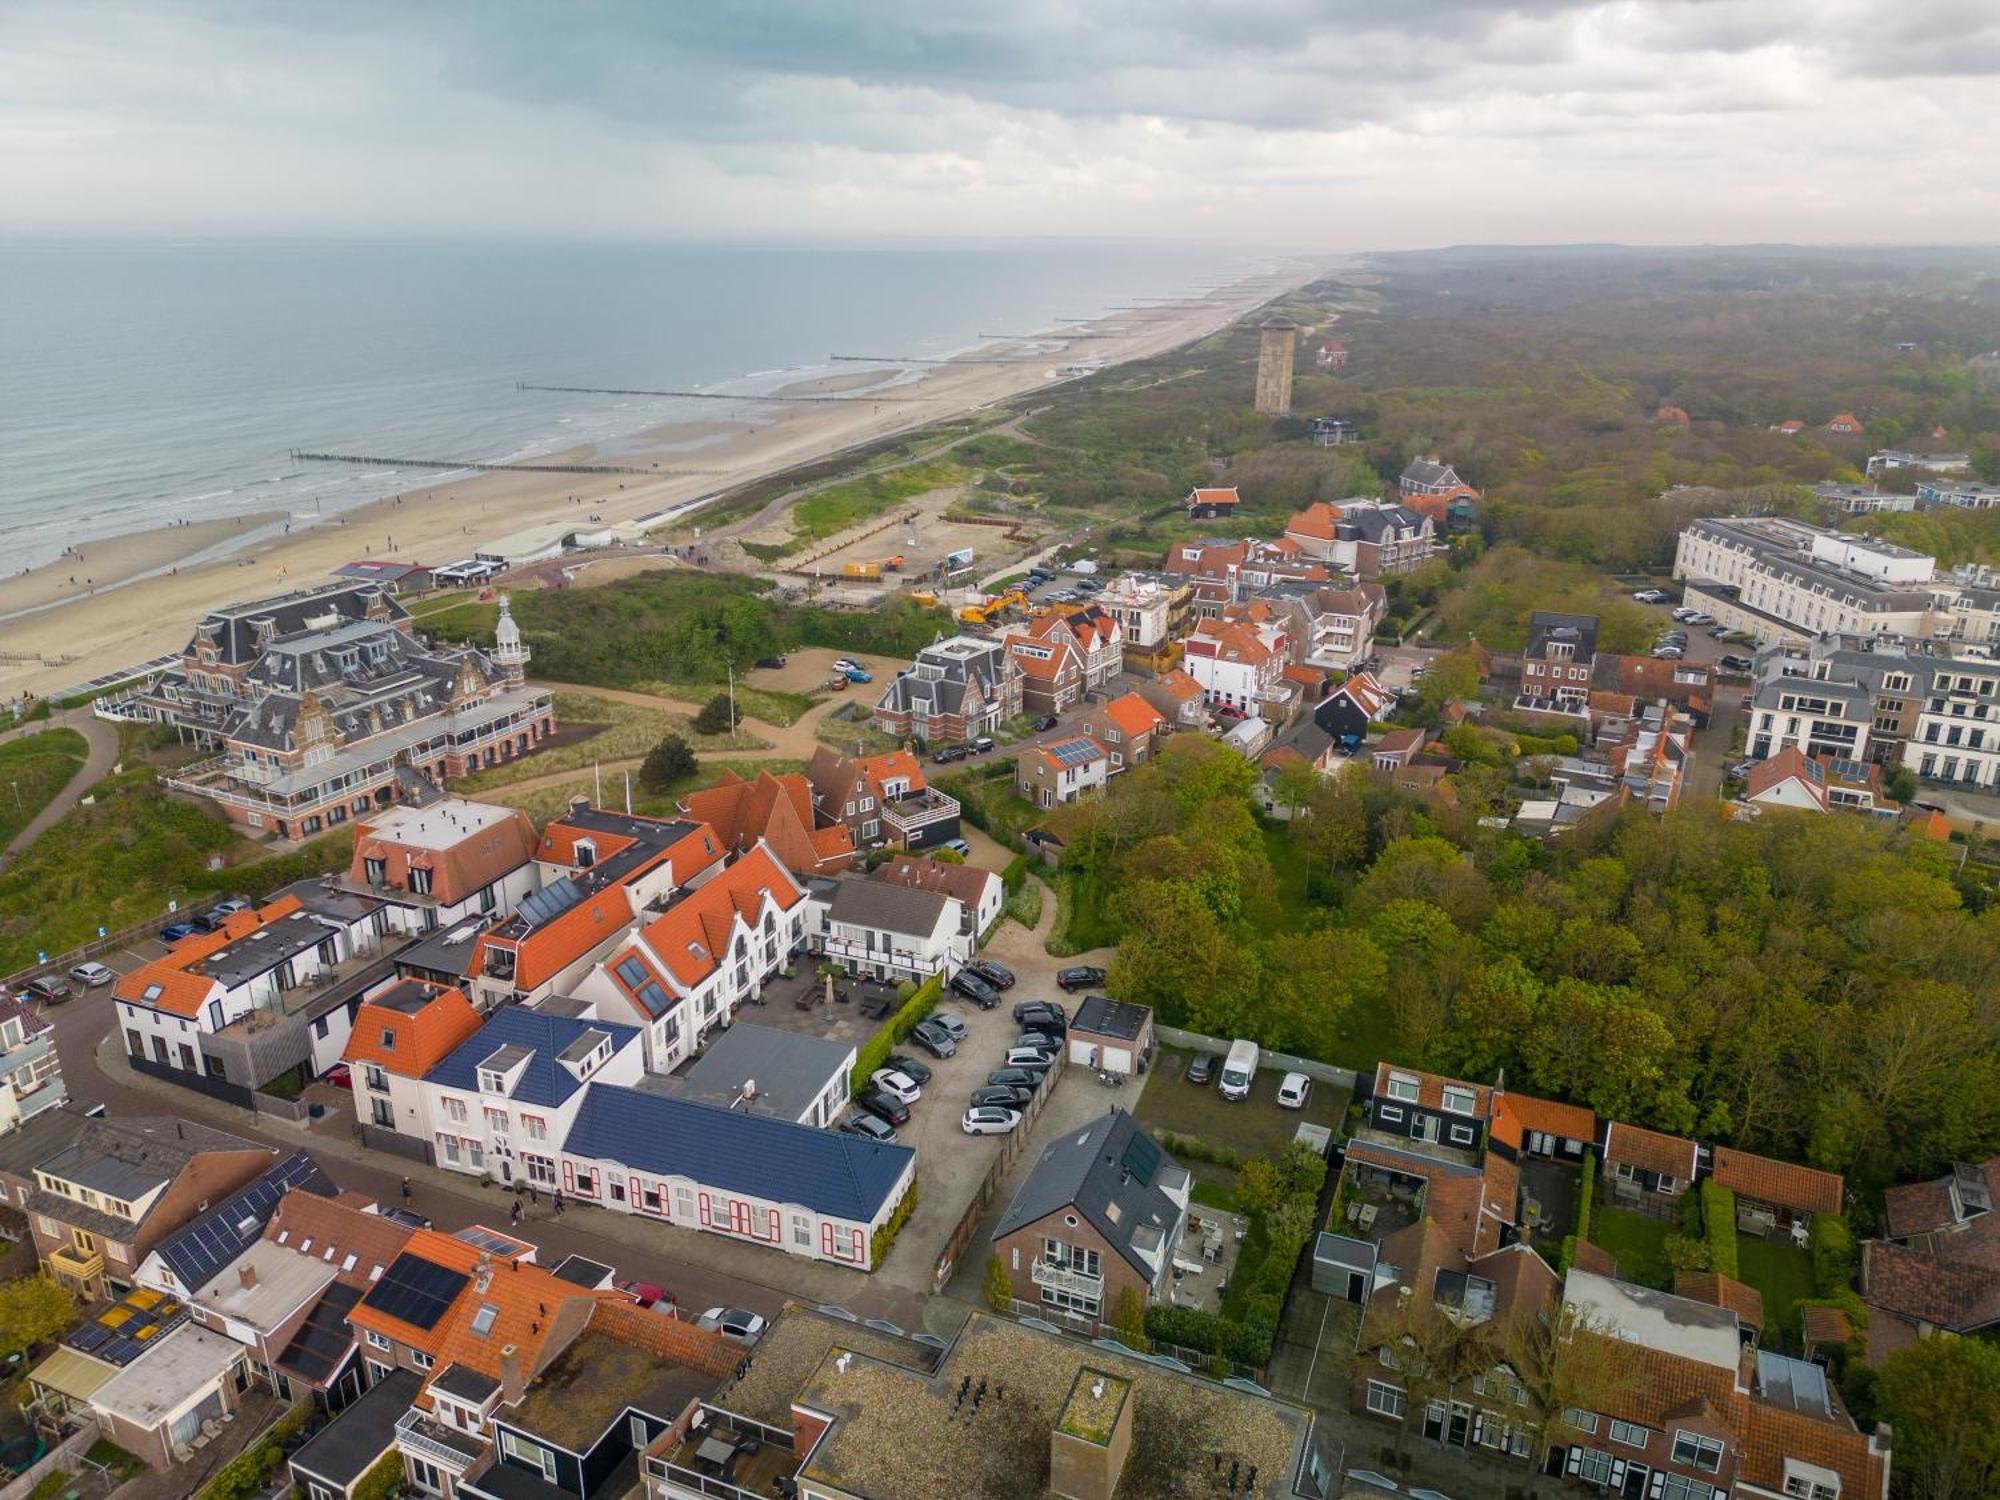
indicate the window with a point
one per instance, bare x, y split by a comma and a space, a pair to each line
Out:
1806, 1488
1698, 1452
1631, 1434
529, 1453
802, 1232
1583, 1421
1593, 1467
420, 1359
375, 1077
376, 1340
1461, 1135
1386, 1400
1668, 1183
1402, 1086
1071, 1257
454, 1109
1680, 1487
536, 1126
1457, 1100
1388, 1112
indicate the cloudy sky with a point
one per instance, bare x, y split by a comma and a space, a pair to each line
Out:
1338, 124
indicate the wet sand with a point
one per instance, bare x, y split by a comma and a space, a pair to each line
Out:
109, 561
58, 647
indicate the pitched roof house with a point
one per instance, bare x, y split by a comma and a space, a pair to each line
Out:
1178, 697
1349, 709
1051, 666
881, 799
777, 810
1647, 1170
954, 690
1128, 727
1844, 422
451, 858
1206, 503
979, 892
1061, 770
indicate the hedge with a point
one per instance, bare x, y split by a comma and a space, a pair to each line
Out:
1718, 1219
1016, 873
382, 1481
1586, 1197
884, 1237
875, 1051
1193, 1149
1831, 1245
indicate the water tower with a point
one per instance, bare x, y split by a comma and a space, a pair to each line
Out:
1276, 348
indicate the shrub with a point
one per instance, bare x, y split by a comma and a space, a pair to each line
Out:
1192, 1149
892, 1031
1016, 873
1831, 1245
667, 763
1025, 906
999, 1286
883, 1238
714, 716
1586, 1199
1685, 1254
1718, 1212
1128, 1318
382, 1481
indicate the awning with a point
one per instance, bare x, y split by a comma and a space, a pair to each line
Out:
71, 1374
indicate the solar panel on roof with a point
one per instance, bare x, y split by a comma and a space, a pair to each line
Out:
1142, 1158
1073, 752
549, 902
416, 1291
479, 1236
200, 1251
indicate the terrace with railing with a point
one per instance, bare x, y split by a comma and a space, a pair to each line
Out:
718, 1455
919, 810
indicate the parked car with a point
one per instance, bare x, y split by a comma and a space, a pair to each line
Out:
898, 1086
885, 1107
48, 989
92, 975
770, 663
734, 1323
948, 1023
1036, 1017
1041, 1041
408, 1218
996, 974
1717, 632
642, 1292
856, 674
1668, 653
975, 989
1044, 724
989, 1120
1201, 1069
903, 1063
1735, 662
1292, 1091
999, 1097
982, 745
957, 846
1030, 1012
339, 1075
1079, 977
234, 903
944, 755
1015, 1078
173, 932
933, 1041
868, 1127
1032, 1058
847, 664
1684, 612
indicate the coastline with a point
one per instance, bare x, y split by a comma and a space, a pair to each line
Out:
54, 639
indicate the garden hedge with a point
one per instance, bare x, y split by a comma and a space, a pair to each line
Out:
1718, 1220
892, 1031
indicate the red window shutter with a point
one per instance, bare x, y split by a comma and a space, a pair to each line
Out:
825, 1238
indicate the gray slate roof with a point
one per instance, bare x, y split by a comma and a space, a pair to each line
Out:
790, 1069
891, 908
1112, 1174
126, 1159
349, 1446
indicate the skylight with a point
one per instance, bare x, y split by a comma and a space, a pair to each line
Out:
482, 1321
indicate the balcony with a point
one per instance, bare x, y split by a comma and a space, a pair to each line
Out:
418, 1434
1053, 1277
919, 810
728, 1458
71, 1264
845, 950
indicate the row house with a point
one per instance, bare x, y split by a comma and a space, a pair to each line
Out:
776, 810
816, 1193
682, 974
501, 1103
147, 1378
433, 865
1956, 739
1957, 494
1651, 760
601, 870
886, 931
1178, 698
31, 1080
1061, 771
881, 799
955, 690
1688, 685
187, 1261
1128, 728
269, 991
1099, 640
1100, 1213
1329, 628
1936, 1268
119, 1186
398, 1037
979, 892
1559, 660
325, 706
1051, 668
1238, 663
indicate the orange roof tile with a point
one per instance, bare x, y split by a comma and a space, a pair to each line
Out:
478, 858
408, 1042
530, 1304
1760, 1178
165, 983
1134, 715
1718, 1290
1212, 496
313, 1225
1179, 684
691, 935
1430, 1088
1317, 520
439, 1250
1670, 1155
1570, 1121
560, 942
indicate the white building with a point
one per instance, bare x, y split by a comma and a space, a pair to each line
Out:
1142, 604
1960, 494
1236, 662
436, 864
887, 931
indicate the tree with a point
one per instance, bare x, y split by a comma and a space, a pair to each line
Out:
1294, 785
1565, 1364
668, 764
1942, 1396
1128, 1320
33, 1310
1258, 1187
947, 857
1900, 784
715, 716
999, 1287
1451, 678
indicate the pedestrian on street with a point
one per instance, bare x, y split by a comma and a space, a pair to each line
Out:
514, 1213
406, 1190
558, 1203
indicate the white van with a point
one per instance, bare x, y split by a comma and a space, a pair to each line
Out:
1238, 1069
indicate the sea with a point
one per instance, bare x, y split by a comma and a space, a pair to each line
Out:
144, 382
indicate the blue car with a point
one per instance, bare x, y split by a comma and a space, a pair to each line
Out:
176, 931
855, 674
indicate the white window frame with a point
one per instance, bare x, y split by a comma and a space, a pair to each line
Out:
1631, 1434
1704, 1453
1387, 1400
1459, 1099
377, 1340
1400, 1081
1581, 1420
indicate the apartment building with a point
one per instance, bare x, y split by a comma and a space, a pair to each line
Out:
398, 1036
955, 690
881, 799
1150, 608
1328, 627
452, 858
1559, 660
31, 1080
1238, 663
889, 931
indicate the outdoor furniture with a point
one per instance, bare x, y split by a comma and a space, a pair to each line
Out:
1368, 1216
714, 1450
1353, 1211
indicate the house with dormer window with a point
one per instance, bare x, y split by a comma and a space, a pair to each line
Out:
399, 1035
502, 1101
31, 1078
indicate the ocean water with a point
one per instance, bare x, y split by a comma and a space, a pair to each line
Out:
145, 382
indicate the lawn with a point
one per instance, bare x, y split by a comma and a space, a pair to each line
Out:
849, 730
33, 769
545, 802
1251, 1127
1639, 1243
1781, 1275
769, 704
625, 731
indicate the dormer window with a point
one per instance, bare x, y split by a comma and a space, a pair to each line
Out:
586, 854
1458, 1100
1402, 1086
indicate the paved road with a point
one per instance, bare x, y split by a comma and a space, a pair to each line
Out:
103, 738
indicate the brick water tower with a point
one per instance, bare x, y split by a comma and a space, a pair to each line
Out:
1276, 348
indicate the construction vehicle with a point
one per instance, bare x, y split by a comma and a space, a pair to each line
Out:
983, 613
872, 569
926, 597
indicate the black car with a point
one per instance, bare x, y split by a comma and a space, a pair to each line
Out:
1001, 1098
998, 975
1014, 1078
771, 662
975, 989
909, 1067
885, 1107
1201, 1070
1030, 1012
946, 754
868, 1127
1045, 723
1039, 1040
1082, 977
934, 1041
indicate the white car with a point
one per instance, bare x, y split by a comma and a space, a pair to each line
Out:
733, 1323
847, 664
94, 975
898, 1085
1293, 1090
989, 1119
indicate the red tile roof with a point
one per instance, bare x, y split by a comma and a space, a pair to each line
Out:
1317, 521
1210, 496
460, 870
1788, 764
1431, 1087
560, 942
166, 983
1178, 684
313, 1226
777, 809
1570, 1121
1650, 1151
1718, 1290
1134, 715
1956, 1295
1763, 1180
692, 936
411, 1043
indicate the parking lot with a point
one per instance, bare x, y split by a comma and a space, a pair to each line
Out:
1256, 1126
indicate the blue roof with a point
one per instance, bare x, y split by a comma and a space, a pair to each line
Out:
201, 1249
546, 1081
761, 1156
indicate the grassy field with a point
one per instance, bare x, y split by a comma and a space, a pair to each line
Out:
840, 506
1639, 1243
845, 734
624, 730
1251, 1127
33, 769
545, 802
768, 704
1782, 1276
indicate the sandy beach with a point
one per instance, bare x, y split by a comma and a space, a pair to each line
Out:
51, 639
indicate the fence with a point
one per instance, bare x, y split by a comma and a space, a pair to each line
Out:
109, 943
219, 1089
67, 1454
379, 1138
1173, 1036
1011, 1147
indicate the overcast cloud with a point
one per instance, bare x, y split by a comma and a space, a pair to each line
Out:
1337, 124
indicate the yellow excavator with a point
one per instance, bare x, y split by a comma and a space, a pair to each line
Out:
999, 604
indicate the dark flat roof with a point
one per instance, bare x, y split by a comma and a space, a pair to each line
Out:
1102, 1016
351, 1444
584, 1271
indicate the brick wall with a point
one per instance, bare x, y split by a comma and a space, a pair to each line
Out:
670, 1338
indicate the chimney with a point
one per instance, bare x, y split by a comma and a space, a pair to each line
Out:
512, 1386
247, 1275
1089, 1441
